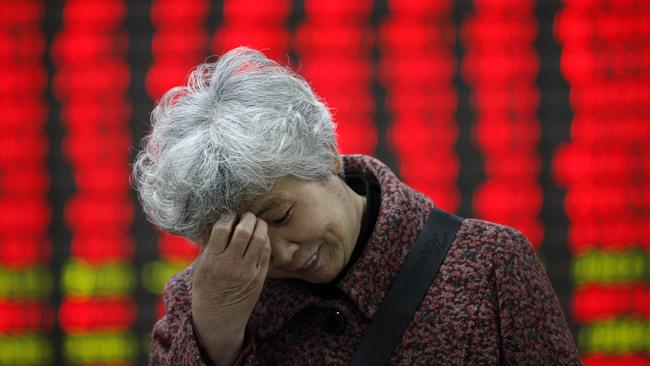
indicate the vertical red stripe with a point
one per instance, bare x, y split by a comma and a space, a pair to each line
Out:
25, 246
180, 42
605, 168
334, 45
91, 82
501, 66
417, 67
24, 180
258, 24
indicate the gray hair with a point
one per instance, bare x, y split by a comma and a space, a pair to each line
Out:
221, 142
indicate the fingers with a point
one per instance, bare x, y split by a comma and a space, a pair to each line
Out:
220, 235
259, 242
242, 234
247, 239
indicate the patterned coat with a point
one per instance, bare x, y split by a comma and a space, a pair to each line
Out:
491, 302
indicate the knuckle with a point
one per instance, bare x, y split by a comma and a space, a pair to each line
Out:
247, 217
220, 229
243, 233
263, 226
259, 237
245, 227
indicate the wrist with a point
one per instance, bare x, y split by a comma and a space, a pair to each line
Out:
219, 349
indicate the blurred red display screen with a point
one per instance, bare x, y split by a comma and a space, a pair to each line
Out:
604, 169
419, 81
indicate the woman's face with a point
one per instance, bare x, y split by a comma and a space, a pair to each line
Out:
313, 227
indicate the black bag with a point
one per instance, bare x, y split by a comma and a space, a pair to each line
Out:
407, 291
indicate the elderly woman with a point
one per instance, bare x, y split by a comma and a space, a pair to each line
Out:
300, 245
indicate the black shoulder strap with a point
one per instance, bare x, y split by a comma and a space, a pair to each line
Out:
407, 291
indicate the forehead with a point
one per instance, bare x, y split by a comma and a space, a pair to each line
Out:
284, 190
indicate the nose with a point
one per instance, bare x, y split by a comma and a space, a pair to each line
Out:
282, 250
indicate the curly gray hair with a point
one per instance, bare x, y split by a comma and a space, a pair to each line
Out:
221, 142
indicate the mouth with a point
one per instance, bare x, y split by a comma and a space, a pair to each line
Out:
311, 263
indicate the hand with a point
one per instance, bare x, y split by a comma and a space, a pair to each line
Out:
227, 281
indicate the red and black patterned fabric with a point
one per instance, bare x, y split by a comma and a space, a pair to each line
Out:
491, 303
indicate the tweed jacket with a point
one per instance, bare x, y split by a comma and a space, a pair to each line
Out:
491, 302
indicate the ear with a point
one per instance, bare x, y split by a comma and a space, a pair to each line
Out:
338, 167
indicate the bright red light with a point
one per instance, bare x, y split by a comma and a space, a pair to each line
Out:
501, 66
20, 13
342, 10
334, 44
174, 248
25, 246
79, 315
20, 316
94, 14
257, 11
96, 247
417, 69
272, 39
178, 14
604, 59
19, 250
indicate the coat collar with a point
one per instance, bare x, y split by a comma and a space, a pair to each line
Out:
402, 214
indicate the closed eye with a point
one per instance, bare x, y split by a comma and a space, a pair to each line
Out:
285, 218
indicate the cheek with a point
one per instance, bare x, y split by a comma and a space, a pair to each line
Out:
307, 226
